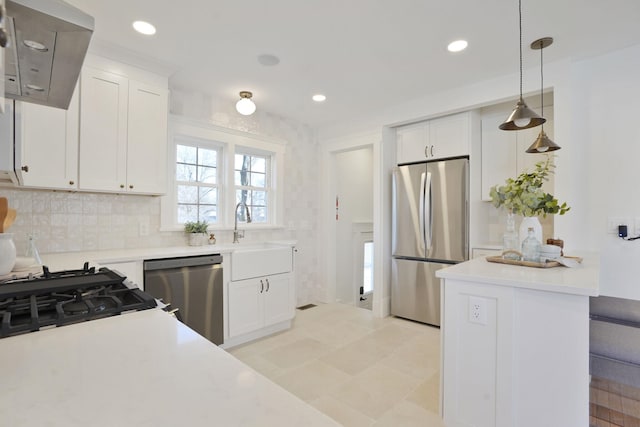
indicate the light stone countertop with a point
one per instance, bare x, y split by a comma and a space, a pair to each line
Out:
75, 260
138, 369
583, 280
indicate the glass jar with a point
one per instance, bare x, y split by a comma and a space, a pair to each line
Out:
511, 240
531, 247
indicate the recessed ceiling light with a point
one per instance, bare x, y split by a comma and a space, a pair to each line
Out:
457, 46
268, 60
144, 28
319, 97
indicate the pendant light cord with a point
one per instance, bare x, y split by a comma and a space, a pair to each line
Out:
520, 26
541, 82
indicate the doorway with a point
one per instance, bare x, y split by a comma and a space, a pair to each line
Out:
353, 224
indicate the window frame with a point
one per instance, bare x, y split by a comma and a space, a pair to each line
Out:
227, 141
233, 188
208, 145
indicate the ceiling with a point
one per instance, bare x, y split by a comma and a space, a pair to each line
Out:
364, 55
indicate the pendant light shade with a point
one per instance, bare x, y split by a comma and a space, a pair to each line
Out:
542, 144
245, 105
522, 117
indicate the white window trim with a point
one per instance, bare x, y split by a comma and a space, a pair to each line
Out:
227, 139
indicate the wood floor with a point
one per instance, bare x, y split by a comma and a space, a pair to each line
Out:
613, 404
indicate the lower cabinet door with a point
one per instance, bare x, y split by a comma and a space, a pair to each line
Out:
278, 304
245, 307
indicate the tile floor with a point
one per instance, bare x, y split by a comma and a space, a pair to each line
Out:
613, 404
357, 369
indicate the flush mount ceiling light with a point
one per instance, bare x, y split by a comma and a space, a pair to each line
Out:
542, 144
144, 28
245, 105
522, 117
319, 97
457, 46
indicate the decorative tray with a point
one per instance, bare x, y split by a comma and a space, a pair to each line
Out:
547, 264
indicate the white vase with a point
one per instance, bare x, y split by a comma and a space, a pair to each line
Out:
530, 221
7, 253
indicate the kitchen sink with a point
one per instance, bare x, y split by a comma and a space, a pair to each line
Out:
260, 260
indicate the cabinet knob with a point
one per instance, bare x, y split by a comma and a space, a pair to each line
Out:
121, 185
131, 187
71, 182
426, 151
432, 151
261, 286
267, 280
25, 168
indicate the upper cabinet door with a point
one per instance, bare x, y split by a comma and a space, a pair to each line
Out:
147, 139
103, 130
412, 143
48, 138
449, 136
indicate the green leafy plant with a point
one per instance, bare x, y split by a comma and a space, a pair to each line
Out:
524, 195
196, 227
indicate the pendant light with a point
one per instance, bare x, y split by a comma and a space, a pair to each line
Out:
245, 105
522, 117
542, 144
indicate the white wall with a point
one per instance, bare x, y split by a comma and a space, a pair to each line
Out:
354, 188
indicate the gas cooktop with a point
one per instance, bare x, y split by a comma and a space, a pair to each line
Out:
65, 297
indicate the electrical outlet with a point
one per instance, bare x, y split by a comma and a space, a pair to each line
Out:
143, 228
477, 310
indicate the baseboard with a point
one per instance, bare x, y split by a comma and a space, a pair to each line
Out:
260, 333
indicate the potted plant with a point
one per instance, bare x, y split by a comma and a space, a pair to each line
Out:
197, 231
524, 196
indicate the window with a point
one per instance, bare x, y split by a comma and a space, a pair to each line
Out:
251, 180
213, 169
197, 184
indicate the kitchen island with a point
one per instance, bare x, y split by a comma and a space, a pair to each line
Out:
137, 369
515, 344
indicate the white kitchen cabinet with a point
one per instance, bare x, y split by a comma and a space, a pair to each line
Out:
259, 303
123, 134
47, 138
103, 130
439, 138
504, 152
147, 139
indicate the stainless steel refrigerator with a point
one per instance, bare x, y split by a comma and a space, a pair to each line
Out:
430, 231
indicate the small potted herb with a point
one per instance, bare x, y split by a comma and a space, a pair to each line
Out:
197, 232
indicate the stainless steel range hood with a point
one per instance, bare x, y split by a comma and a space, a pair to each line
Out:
48, 40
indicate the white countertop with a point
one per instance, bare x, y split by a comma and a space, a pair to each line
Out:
74, 260
137, 369
583, 280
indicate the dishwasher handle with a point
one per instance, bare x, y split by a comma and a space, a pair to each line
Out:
191, 261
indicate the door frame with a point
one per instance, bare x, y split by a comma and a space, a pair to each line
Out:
381, 198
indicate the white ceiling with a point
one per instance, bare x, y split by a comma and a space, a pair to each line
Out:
363, 55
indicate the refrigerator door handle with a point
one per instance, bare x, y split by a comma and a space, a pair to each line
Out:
428, 221
422, 240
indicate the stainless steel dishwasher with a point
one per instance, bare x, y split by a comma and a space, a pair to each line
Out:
193, 285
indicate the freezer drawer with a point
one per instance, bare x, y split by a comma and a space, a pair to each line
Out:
415, 290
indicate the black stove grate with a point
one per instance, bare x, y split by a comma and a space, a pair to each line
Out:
65, 298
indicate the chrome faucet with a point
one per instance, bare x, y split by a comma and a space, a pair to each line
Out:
240, 233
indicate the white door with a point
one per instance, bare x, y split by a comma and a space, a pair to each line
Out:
278, 303
245, 306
